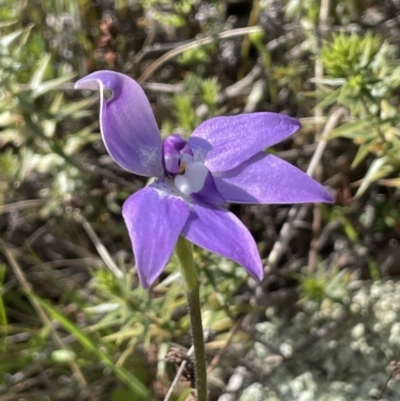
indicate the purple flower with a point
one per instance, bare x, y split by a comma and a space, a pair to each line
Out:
222, 161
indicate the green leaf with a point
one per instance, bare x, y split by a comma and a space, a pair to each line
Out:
353, 130
56, 103
71, 108
362, 153
379, 168
185, 394
374, 269
7, 40
336, 286
349, 229
22, 43
38, 75
75, 142
3, 313
52, 84
4, 24
330, 99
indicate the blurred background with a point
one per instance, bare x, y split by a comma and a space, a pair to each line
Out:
323, 325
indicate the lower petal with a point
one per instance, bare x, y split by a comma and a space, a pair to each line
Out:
220, 231
265, 178
209, 194
155, 219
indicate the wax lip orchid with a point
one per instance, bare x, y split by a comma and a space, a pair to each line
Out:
222, 161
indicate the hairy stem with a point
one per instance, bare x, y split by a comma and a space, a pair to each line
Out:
184, 254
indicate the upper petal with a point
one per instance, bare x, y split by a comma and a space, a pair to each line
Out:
155, 219
234, 139
222, 232
127, 122
266, 178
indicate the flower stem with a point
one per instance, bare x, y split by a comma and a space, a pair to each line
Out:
184, 254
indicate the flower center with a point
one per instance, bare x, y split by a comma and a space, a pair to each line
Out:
189, 176
193, 179
176, 154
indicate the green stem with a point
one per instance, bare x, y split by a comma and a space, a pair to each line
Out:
184, 254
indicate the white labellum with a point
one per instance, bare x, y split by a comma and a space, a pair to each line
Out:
193, 179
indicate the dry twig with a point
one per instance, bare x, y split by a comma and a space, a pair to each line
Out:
192, 45
178, 375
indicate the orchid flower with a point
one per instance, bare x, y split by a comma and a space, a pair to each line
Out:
222, 161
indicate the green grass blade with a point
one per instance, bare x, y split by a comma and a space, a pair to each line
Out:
130, 380
38, 75
3, 313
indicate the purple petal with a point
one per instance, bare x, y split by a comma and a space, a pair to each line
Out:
155, 220
222, 232
127, 123
232, 140
175, 149
267, 179
209, 194
200, 148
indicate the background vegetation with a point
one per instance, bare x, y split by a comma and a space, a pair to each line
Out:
323, 325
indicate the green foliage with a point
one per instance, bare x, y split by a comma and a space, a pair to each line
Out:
198, 55
196, 91
167, 13
30, 115
184, 112
3, 313
364, 69
313, 333
341, 215
364, 76
350, 56
137, 387
322, 285
307, 10
210, 91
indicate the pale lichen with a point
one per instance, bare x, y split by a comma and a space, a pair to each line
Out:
349, 362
